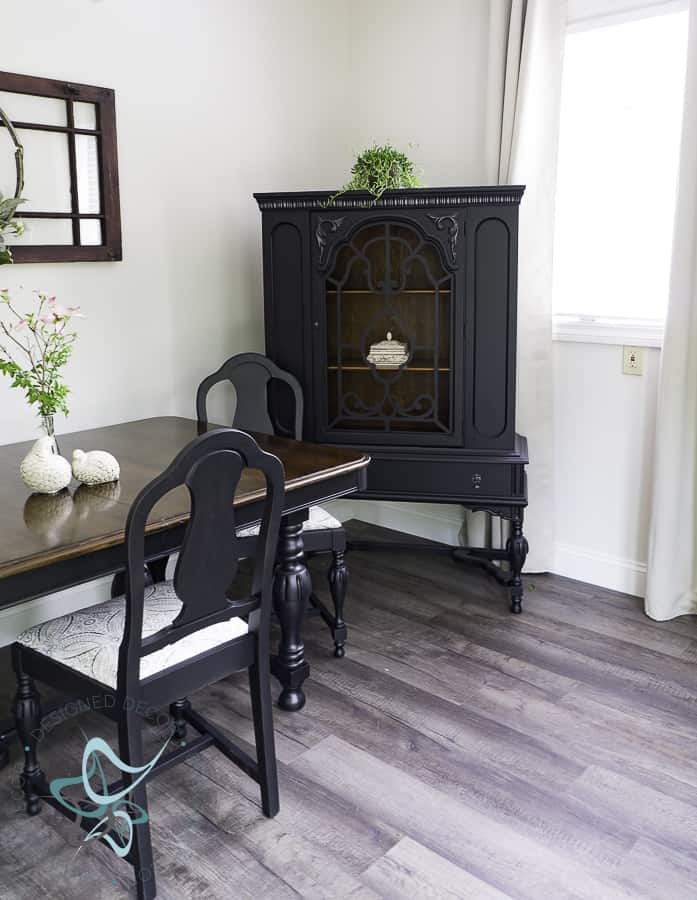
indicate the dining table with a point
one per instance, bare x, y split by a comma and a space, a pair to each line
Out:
52, 542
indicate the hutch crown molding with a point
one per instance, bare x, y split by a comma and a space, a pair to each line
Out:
398, 317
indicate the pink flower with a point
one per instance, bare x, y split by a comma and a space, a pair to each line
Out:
59, 311
20, 325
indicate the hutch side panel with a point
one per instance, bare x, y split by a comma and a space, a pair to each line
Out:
287, 311
490, 330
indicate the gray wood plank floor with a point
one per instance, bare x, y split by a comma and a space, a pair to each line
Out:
456, 752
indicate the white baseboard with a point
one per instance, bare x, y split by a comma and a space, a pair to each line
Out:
17, 618
614, 572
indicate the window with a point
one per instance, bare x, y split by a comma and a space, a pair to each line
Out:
68, 132
621, 122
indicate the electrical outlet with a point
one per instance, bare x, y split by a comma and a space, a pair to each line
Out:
633, 360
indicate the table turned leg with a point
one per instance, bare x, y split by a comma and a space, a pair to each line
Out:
517, 547
291, 590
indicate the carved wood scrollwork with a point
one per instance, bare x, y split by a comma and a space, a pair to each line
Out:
324, 228
452, 226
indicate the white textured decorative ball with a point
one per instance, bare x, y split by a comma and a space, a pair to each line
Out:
43, 470
95, 467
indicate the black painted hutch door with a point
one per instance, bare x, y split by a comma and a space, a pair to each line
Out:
385, 318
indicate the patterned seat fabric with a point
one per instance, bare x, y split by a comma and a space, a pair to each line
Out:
319, 520
88, 640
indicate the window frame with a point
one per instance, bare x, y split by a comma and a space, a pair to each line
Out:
586, 15
110, 250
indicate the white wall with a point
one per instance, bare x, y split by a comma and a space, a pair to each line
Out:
604, 432
214, 101
418, 76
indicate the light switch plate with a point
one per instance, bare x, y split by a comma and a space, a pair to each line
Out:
633, 360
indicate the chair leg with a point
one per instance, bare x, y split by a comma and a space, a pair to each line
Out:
131, 752
338, 583
260, 691
28, 718
177, 711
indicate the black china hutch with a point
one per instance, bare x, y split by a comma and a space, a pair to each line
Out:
398, 317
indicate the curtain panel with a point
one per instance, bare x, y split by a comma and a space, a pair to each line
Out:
671, 588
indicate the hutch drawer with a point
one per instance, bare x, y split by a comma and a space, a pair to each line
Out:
394, 477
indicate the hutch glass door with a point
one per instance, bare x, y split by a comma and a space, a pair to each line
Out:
389, 327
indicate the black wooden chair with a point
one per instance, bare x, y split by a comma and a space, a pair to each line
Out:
159, 644
270, 401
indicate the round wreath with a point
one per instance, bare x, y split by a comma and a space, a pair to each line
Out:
8, 205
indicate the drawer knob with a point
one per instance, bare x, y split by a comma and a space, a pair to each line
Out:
476, 481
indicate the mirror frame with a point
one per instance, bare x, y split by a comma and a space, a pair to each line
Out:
110, 216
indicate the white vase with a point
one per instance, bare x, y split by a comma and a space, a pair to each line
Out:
43, 470
47, 427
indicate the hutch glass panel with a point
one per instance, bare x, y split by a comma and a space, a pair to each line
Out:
389, 317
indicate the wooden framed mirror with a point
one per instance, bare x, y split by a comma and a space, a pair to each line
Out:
71, 185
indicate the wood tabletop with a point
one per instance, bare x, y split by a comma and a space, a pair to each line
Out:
37, 529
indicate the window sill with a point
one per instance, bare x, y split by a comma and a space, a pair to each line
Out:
623, 332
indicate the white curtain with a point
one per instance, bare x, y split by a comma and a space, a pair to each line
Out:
671, 588
526, 50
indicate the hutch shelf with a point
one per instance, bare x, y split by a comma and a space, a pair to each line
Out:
398, 317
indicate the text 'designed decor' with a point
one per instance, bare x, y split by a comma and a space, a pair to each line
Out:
67, 135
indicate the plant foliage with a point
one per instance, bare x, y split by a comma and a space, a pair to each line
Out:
8, 225
380, 169
34, 348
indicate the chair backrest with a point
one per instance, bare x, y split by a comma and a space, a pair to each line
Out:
253, 376
210, 467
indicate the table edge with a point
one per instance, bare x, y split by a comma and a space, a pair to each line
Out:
59, 554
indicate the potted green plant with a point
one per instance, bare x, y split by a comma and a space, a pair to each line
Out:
380, 169
34, 347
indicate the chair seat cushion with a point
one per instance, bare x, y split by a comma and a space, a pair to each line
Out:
88, 640
319, 520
